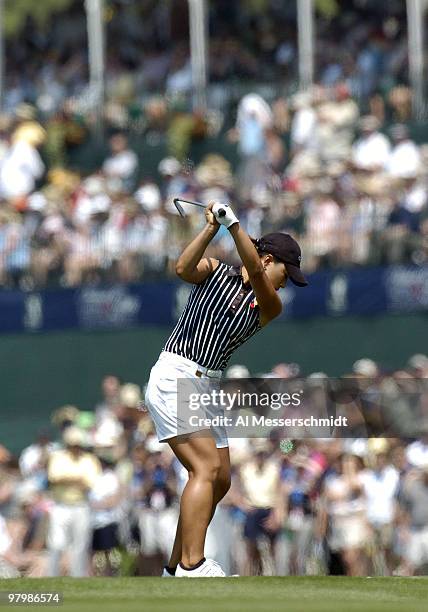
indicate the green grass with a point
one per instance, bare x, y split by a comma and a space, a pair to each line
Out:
306, 594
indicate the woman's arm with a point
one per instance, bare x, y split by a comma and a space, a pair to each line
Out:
267, 298
190, 266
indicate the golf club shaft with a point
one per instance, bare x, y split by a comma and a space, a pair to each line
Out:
177, 201
190, 202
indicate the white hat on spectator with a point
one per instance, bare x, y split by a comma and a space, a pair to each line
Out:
316, 379
285, 370
301, 99
254, 104
37, 201
130, 395
149, 197
25, 112
94, 185
100, 204
108, 433
378, 446
31, 133
73, 436
238, 371
152, 445
365, 367
356, 446
169, 166
418, 362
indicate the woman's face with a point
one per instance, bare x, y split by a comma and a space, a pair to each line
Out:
276, 271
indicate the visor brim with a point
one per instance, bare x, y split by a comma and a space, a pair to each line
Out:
296, 275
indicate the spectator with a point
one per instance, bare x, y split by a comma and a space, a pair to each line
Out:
413, 196
96, 229
380, 487
404, 159
323, 223
179, 79
158, 516
104, 498
33, 459
336, 123
418, 365
259, 481
8, 562
22, 165
344, 514
110, 388
254, 118
371, 151
71, 474
303, 132
414, 502
18, 556
297, 514
14, 249
123, 162
417, 451
313, 510
33, 511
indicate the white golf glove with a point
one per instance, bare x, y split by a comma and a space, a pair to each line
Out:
225, 215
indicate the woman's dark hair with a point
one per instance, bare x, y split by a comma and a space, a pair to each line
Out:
260, 252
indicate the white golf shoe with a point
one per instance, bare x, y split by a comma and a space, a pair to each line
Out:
208, 569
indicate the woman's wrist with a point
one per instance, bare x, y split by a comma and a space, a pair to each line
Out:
211, 229
234, 229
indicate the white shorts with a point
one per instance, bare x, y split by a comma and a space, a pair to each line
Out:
161, 396
157, 530
417, 552
348, 532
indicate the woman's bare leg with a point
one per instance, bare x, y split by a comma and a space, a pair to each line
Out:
220, 486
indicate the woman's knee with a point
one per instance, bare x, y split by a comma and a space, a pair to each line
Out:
199, 456
209, 469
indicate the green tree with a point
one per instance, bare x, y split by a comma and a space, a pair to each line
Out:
15, 13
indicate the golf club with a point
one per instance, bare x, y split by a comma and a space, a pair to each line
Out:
221, 212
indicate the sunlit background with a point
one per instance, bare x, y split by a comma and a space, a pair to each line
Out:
309, 117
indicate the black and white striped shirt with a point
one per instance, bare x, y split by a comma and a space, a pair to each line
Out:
220, 315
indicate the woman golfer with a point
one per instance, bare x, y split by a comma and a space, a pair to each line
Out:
226, 307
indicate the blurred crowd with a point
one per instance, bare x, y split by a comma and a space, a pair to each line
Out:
101, 495
309, 165
335, 166
357, 40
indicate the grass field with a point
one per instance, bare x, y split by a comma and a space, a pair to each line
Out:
308, 594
